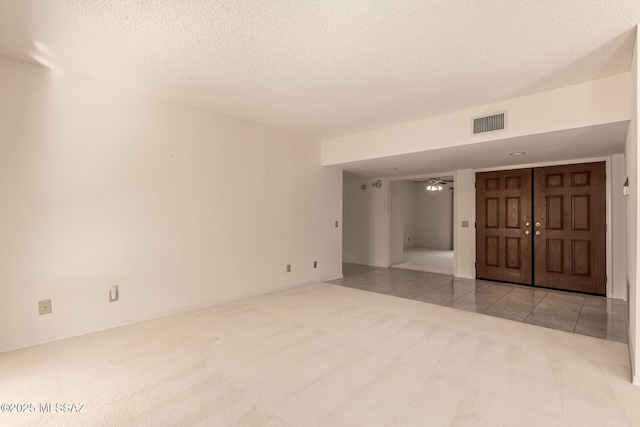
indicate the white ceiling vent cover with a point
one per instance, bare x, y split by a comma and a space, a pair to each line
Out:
492, 123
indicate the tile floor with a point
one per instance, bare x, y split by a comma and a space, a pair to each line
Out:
566, 311
427, 259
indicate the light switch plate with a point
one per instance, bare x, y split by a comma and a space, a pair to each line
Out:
465, 224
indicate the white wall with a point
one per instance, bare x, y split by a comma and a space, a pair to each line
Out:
434, 215
402, 219
633, 216
618, 228
396, 227
464, 238
178, 207
365, 222
591, 103
408, 214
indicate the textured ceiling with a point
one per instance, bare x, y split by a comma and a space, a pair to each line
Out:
331, 67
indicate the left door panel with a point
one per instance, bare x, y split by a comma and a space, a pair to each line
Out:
503, 226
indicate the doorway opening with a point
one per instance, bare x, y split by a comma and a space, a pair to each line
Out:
421, 231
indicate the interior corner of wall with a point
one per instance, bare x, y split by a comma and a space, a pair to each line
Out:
635, 378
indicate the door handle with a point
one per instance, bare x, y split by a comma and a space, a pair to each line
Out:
538, 224
537, 232
527, 232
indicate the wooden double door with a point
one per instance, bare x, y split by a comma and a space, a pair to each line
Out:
543, 226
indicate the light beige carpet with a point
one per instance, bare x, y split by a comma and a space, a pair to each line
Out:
325, 355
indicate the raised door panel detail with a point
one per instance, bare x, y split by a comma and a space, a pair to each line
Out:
492, 214
512, 183
553, 181
581, 179
581, 212
492, 251
512, 255
555, 256
512, 214
581, 257
492, 184
555, 213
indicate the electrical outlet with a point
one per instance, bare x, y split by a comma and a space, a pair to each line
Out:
44, 306
315, 264
288, 268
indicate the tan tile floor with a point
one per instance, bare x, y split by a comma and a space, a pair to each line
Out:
566, 311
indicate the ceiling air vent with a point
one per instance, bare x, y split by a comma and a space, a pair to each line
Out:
492, 123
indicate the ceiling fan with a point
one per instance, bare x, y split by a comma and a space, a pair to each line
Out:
435, 184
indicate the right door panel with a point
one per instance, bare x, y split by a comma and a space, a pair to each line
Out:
569, 227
